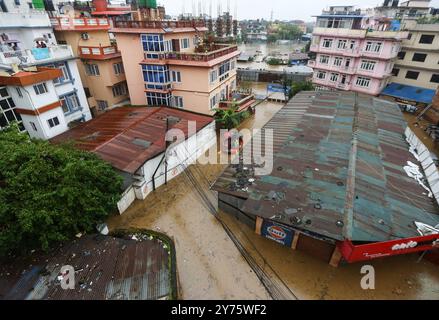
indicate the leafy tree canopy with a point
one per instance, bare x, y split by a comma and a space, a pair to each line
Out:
49, 193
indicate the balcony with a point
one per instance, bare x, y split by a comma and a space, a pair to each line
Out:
98, 53
67, 23
159, 24
241, 100
340, 33
219, 50
36, 56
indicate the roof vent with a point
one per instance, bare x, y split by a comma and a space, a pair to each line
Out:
142, 143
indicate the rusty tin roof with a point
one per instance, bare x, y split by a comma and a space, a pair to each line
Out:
338, 171
112, 135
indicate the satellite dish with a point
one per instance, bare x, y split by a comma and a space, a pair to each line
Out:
68, 10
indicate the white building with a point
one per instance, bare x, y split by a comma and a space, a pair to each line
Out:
22, 33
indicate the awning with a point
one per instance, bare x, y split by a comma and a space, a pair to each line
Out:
411, 93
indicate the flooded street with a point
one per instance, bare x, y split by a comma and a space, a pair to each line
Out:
261, 50
211, 267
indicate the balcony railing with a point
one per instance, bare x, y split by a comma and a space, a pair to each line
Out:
67, 23
160, 24
241, 100
199, 57
100, 52
36, 55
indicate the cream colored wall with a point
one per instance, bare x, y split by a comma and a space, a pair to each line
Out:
192, 78
183, 35
132, 54
96, 38
422, 81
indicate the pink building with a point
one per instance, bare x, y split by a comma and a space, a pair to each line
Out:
167, 63
353, 52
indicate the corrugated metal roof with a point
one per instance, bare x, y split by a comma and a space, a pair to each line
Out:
106, 268
338, 172
112, 135
406, 92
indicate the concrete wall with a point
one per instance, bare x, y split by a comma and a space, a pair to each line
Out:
183, 153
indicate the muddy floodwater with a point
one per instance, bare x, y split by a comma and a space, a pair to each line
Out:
211, 267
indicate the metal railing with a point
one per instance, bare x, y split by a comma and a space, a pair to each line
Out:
36, 55
199, 57
67, 22
160, 24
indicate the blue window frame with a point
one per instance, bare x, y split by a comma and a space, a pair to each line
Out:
153, 42
70, 103
66, 75
156, 74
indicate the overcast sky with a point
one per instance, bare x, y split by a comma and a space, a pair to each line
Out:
282, 9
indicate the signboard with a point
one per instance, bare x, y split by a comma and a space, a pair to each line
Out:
277, 232
353, 253
272, 87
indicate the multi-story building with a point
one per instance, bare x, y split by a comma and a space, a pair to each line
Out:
169, 63
100, 66
353, 51
417, 63
28, 51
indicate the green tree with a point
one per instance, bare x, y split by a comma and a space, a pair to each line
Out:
230, 118
297, 87
49, 193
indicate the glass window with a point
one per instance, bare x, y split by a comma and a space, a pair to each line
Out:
367, 65
40, 88
53, 122
92, 69
412, 75
338, 61
363, 82
153, 42
342, 44
213, 76
119, 90
327, 43
324, 59
156, 74
118, 68
321, 75
158, 99
419, 57
401, 55
435, 78
176, 76
102, 105
70, 103
185, 43
395, 72
333, 77
178, 102
426, 39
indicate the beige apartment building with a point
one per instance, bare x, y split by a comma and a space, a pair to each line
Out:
418, 61
167, 63
101, 67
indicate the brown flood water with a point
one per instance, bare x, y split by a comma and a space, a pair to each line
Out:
211, 267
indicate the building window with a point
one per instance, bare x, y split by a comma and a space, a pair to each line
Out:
87, 92
338, 61
185, 43
92, 69
32, 124
363, 82
419, 57
7, 110
70, 103
426, 39
333, 77
435, 78
118, 68
324, 59
178, 102
395, 72
214, 101
368, 65
20, 94
119, 90
65, 77
224, 70
410, 36
321, 75
153, 42
53, 122
156, 74
327, 43
102, 105
40, 88
232, 64
374, 46
342, 44
412, 75
401, 55
213, 76
176, 76
158, 99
